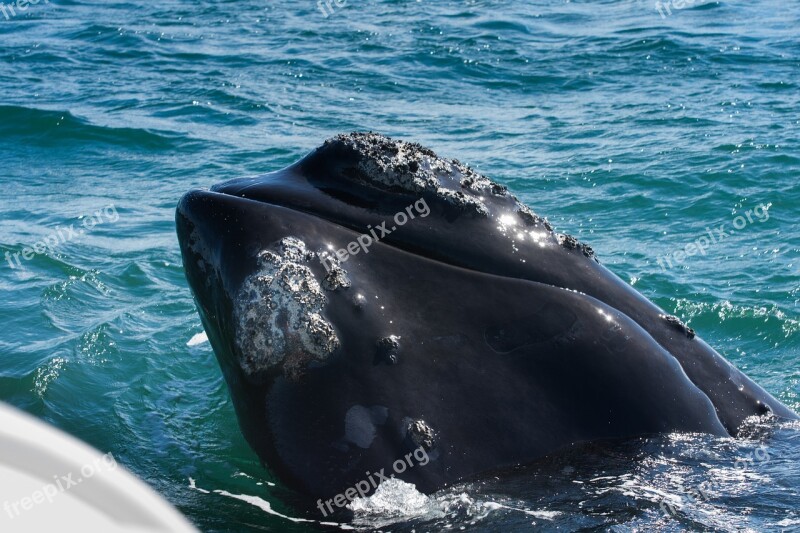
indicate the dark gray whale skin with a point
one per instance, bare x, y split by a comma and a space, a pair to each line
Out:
475, 332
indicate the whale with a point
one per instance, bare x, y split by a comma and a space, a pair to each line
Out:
380, 312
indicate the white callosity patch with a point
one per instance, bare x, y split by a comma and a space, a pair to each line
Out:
401, 166
421, 434
277, 314
571, 243
337, 277
409, 167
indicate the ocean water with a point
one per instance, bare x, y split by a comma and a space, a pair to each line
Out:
638, 131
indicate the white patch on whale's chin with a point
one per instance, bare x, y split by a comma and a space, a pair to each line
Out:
277, 313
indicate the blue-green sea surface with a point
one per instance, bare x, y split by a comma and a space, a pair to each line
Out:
635, 129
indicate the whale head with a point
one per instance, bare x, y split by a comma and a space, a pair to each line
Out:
374, 301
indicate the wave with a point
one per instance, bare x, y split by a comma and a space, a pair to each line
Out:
53, 127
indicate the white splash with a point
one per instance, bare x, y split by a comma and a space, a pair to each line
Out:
262, 504
193, 485
393, 497
198, 339
541, 514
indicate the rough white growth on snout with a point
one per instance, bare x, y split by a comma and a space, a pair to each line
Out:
336, 277
401, 166
277, 314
